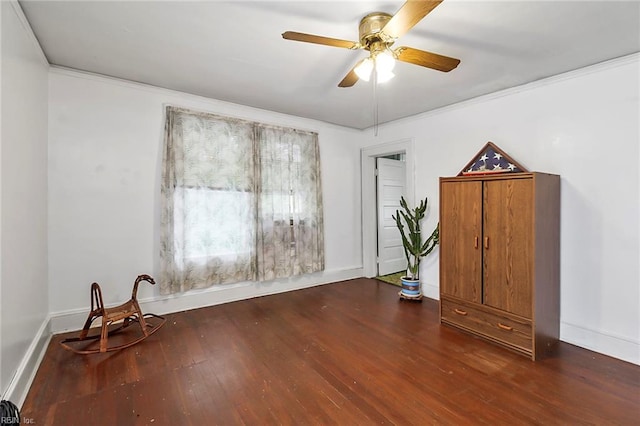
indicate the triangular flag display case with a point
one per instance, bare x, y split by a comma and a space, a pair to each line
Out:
491, 159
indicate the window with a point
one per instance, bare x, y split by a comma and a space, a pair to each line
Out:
241, 201
206, 209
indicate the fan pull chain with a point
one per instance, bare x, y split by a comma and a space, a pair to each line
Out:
375, 100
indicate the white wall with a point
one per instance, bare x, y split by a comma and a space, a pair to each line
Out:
23, 195
583, 126
105, 140
103, 175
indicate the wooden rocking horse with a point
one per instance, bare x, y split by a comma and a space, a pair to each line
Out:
121, 316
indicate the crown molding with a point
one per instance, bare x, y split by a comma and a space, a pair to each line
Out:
205, 104
17, 9
548, 81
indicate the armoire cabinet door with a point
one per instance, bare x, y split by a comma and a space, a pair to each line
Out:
460, 240
508, 245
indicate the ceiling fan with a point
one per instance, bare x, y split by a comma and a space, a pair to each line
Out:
378, 32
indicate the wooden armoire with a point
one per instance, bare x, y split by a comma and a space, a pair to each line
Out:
500, 258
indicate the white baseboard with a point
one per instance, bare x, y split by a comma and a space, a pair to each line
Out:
431, 291
598, 341
605, 343
74, 319
615, 346
26, 372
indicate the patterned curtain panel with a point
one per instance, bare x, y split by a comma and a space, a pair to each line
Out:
290, 225
240, 201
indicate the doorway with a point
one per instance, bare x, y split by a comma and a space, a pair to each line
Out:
369, 157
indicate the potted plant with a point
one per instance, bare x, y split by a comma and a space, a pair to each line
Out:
408, 222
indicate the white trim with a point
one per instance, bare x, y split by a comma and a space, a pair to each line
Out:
569, 75
367, 167
20, 383
602, 342
431, 291
598, 341
204, 104
74, 319
27, 27
613, 63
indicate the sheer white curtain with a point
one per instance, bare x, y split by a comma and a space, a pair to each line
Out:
290, 234
240, 201
208, 213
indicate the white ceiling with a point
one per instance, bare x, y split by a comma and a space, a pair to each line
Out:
233, 51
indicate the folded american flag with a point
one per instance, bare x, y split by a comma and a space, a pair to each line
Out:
491, 160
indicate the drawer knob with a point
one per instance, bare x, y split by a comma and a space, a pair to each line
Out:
505, 327
460, 312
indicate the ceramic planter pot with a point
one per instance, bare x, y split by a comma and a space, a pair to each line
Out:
410, 288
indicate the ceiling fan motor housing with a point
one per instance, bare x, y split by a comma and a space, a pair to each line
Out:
370, 27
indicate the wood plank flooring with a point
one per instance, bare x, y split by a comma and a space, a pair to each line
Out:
348, 353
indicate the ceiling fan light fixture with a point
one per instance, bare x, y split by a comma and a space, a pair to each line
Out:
382, 76
378, 31
385, 62
363, 70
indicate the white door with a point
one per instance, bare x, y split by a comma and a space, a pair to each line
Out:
391, 186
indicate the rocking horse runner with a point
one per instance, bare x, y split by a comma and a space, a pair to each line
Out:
129, 312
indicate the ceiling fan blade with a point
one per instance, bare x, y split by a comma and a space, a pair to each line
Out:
351, 78
426, 59
409, 14
310, 38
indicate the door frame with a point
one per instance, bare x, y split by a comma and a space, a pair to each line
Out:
368, 157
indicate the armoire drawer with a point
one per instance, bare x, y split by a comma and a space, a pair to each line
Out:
485, 321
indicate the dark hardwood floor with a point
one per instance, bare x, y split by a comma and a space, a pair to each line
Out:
348, 353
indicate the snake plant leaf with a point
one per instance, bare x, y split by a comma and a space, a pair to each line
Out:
408, 223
